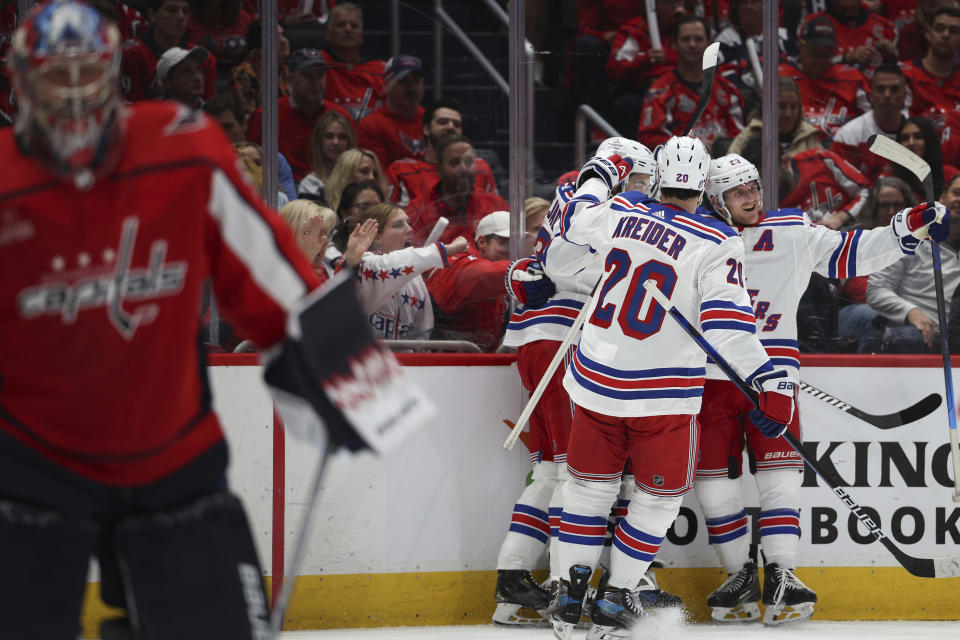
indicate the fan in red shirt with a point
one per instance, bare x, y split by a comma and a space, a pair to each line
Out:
470, 294
221, 27
353, 83
935, 79
455, 196
911, 36
673, 96
831, 93
863, 37
633, 62
410, 178
168, 28
826, 187
395, 130
299, 111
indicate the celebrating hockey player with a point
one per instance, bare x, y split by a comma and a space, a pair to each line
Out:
113, 219
537, 331
782, 248
636, 381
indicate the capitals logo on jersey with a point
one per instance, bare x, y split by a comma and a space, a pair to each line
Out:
97, 287
416, 146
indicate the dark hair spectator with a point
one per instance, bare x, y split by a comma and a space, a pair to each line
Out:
919, 136
935, 79
225, 109
354, 200
244, 79
911, 34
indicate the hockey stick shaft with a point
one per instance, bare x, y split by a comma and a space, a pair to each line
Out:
921, 567
547, 376
300, 546
914, 412
437, 231
653, 24
886, 148
706, 87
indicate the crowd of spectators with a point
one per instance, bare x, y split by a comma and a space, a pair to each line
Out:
356, 132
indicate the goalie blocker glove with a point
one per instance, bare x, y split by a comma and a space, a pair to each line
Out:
775, 404
331, 380
527, 283
910, 226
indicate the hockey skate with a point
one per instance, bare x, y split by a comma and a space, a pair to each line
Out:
651, 596
519, 600
786, 598
736, 599
614, 613
567, 605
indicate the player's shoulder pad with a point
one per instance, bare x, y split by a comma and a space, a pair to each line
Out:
790, 217
162, 131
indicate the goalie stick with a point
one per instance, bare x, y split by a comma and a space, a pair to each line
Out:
914, 412
920, 567
894, 152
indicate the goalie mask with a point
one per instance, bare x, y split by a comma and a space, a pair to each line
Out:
642, 157
728, 172
65, 59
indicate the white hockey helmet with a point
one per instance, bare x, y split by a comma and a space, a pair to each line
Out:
626, 148
682, 163
727, 172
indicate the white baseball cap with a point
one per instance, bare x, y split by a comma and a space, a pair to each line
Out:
174, 56
496, 223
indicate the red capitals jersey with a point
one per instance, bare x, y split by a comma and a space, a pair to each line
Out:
428, 208
862, 30
410, 178
597, 17
929, 94
899, 12
101, 364
131, 23
629, 62
358, 88
391, 138
671, 102
226, 41
825, 183
471, 299
138, 68
295, 133
834, 98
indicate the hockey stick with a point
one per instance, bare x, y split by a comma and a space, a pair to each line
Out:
437, 231
300, 546
920, 567
914, 412
547, 376
706, 87
651, 7
887, 148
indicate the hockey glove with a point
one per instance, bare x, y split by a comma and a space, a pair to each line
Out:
775, 406
910, 226
527, 283
612, 170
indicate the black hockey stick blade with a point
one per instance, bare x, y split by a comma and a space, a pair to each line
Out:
706, 87
914, 412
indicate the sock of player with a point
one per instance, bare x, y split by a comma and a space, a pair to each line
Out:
617, 513
639, 536
555, 512
728, 526
529, 530
583, 525
779, 518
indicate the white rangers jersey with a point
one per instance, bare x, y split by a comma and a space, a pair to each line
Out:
780, 253
393, 292
632, 360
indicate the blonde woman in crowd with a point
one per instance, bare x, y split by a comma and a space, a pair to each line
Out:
312, 225
332, 135
353, 165
392, 289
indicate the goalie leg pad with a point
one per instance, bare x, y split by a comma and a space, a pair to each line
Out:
192, 572
45, 555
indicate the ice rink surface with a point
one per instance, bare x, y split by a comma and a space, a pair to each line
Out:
663, 630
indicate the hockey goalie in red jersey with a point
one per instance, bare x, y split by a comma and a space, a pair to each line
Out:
111, 220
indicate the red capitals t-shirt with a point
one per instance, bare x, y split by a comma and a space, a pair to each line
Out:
358, 88
295, 131
471, 298
410, 178
834, 98
863, 30
825, 183
930, 94
390, 137
428, 208
100, 295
